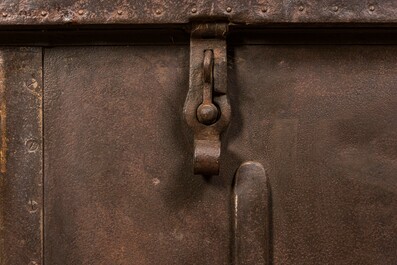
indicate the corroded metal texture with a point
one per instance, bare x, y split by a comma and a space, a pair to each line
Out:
251, 215
119, 185
321, 119
21, 190
207, 109
50, 12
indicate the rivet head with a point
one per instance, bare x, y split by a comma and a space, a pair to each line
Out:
43, 13
194, 10
81, 12
207, 113
120, 12
32, 145
371, 8
158, 11
335, 8
33, 206
301, 8
228, 9
4, 14
264, 9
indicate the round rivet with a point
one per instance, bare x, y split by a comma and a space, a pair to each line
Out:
33, 206
301, 8
371, 8
194, 10
43, 13
207, 113
158, 11
228, 9
81, 12
120, 12
335, 8
32, 145
4, 14
264, 9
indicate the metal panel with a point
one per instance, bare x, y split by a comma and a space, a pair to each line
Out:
62, 12
119, 186
322, 121
21, 200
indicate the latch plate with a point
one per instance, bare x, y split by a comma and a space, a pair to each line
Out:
207, 87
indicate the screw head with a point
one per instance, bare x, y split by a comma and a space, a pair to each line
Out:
228, 9
194, 10
32, 145
207, 113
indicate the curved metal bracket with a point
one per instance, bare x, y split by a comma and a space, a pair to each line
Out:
207, 109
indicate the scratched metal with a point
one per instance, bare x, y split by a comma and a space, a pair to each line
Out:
322, 121
77, 12
21, 204
251, 215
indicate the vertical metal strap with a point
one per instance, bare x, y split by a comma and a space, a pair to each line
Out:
251, 215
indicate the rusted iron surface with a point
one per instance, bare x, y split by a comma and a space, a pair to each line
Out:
21, 200
207, 109
322, 121
251, 215
58, 12
119, 185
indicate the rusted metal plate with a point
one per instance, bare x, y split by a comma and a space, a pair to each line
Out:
119, 185
322, 121
21, 200
58, 12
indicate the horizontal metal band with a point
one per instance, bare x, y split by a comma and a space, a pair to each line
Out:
61, 12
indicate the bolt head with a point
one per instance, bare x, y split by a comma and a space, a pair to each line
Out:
207, 113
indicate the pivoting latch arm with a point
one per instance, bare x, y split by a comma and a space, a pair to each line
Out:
207, 109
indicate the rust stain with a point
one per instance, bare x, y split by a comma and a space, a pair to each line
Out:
3, 116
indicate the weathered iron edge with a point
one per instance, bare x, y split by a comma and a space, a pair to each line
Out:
87, 12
